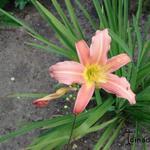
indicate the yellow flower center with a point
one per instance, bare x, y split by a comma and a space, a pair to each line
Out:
94, 74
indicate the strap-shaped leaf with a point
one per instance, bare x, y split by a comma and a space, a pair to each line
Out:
63, 16
52, 48
144, 95
94, 116
51, 123
74, 19
143, 72
59, 28
101, 15
86, 14
27, 95
104, 137
39, 37
113, 137
122, 43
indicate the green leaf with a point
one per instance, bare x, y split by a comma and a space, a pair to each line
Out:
51, 123
139, 39
41, 38
144, 95
67, 53
104, 137
130, 40
113, 137
120, 18
52, 139
133, 77
94, 116
20, 22
122, 43
3, 3
65, 34
21, 3
7, 22
27, 95
133, 146
74, 18
125, 17
139, 11
86, 14
146, 27
55, 23
63, 16
145, 51
101, 126
98, 97
143, 72
110, 15
101, 15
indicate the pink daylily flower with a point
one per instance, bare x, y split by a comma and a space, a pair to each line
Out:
94, 71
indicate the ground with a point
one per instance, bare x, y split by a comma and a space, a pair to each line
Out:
25, 69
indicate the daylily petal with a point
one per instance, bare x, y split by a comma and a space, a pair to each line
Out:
84, 95
83, 51
117, 62
67, 72
100, 46
40, 103
119, 86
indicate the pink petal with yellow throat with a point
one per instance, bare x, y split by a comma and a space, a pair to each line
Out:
100, 46
119, 86
84, 95
83, 51
67, 72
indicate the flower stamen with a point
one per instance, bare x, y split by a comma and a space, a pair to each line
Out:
94, 73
